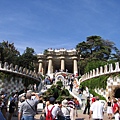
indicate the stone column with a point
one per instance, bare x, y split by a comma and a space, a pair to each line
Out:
49, 66
0, 64
75, 67
40, 68
62, 64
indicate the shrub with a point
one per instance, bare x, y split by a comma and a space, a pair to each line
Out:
96, 94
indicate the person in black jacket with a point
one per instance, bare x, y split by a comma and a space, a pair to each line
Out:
12, 107
71, 86
87, 106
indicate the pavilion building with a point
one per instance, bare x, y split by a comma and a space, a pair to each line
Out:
56, 60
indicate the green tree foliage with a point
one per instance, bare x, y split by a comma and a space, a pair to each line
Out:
95, 52
58, 91
96, 94
45, 51
116, 54
9, 53
94, 64
28, 59
100, 49
98, 82
59, 84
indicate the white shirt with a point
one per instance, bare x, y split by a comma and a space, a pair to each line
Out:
66, 111
54, 110
97, 109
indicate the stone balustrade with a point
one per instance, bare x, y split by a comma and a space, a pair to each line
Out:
19, 71
103, 70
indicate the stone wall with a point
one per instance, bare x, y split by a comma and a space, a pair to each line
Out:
113, 83
11, 85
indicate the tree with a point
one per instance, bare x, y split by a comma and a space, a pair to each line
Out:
28, 59
100, 49
95, 49
9, 53
116, 54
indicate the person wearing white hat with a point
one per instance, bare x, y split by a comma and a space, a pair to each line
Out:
65, 110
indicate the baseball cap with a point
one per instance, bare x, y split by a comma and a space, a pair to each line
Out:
52, 99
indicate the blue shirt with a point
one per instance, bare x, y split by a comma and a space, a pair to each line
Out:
1, 116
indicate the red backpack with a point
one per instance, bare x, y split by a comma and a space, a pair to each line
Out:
49, 114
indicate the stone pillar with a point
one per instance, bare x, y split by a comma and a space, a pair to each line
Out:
0, 64
49, 66
40, 67
75, 67
62, 64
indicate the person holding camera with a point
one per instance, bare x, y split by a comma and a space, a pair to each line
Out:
27, 109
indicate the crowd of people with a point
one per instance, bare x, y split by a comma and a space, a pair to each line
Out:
95, 108
113, 108
66, 109
62, 110
8, 104
28, 106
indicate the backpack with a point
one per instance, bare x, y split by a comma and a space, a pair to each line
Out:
49, 114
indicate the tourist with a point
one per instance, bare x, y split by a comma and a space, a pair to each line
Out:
16, 104
109, 108
65, 110
71, 104
116, 109
52, 107
93, 99
96, 110
71, 86
80, 93
27, 109
58, 104
87, 91
4, 103
77, 104
87, 106
1, 115
12, 107
119, 104
22, 99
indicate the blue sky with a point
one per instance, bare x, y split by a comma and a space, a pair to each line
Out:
42, 24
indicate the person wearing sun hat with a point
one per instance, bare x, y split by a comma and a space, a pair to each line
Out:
65, 110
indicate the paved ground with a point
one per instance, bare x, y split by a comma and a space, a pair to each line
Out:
81, 116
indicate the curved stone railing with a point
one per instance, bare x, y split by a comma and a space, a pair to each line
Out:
23, 72
106, 69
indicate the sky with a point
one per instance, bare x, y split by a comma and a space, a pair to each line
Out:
43, 24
